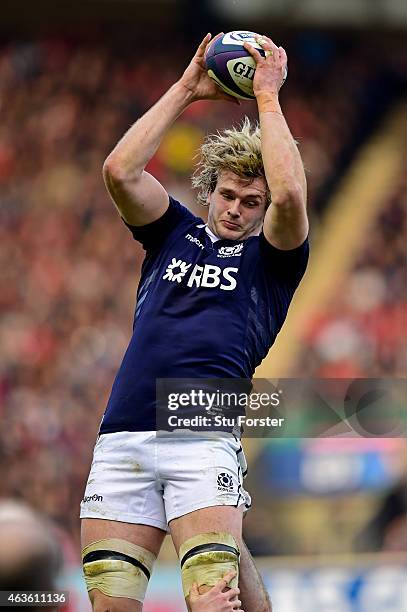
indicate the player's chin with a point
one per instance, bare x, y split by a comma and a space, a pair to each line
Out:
228, 232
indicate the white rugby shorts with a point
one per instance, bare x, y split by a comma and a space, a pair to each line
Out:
139, 477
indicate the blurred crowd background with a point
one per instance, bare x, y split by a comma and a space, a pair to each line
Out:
69, 268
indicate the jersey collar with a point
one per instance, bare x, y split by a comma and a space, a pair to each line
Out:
211, 235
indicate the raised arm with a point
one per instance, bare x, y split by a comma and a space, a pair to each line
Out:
138, 196
286, 222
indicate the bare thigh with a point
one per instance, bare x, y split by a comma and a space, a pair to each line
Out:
226, 519
146, 536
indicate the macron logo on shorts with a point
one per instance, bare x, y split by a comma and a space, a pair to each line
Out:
208, 275
94, 497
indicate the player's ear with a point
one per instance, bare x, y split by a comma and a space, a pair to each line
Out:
208, 198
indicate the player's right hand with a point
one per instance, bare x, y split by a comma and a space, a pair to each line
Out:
216, 600
196, 80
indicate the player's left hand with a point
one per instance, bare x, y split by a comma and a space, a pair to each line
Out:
270, 70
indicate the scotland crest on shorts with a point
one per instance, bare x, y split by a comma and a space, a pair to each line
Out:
225, 482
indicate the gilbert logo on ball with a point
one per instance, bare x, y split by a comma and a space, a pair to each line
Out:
231, 66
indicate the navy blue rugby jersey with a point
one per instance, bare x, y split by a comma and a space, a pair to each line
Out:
204, 310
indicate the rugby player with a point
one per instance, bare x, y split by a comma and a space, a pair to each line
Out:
30, 557
211, 300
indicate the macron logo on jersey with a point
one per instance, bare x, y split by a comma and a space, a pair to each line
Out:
208, 276
195, 241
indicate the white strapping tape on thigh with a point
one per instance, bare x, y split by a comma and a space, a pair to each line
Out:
117, 568
205, 559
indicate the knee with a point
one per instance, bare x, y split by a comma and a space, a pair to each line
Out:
103, 603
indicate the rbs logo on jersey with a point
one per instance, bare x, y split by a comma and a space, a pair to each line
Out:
208, 276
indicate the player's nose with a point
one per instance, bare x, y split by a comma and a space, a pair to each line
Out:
234, 208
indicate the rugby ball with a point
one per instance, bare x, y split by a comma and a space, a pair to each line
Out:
230, 65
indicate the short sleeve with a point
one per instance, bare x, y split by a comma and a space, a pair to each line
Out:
152, 235
288, 266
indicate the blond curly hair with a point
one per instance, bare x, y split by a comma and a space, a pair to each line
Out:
235, 149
